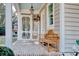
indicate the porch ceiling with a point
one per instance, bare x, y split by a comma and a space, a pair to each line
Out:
36, 6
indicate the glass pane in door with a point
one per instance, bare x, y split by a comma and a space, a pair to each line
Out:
26, 27
25, 35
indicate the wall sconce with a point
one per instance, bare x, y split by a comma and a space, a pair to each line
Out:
36, 18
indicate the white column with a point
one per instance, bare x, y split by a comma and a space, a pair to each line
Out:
19, 26
38, 30
8, 25
62, 38
31, 27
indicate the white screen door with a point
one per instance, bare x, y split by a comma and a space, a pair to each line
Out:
26, 27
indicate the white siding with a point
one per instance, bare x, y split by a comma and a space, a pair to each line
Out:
71, 25
56, 17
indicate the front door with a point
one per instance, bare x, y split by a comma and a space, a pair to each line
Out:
26, 27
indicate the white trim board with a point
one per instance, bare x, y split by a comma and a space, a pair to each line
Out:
62, 37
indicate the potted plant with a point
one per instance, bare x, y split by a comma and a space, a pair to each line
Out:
4, 51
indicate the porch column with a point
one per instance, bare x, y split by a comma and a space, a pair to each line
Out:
31, 22
8, 25
19, 26
62, 38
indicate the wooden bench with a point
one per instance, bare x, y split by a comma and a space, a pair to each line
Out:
52, 41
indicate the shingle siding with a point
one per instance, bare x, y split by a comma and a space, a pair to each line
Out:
71, 25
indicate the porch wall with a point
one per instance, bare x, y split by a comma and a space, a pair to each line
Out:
57, 17
71, 12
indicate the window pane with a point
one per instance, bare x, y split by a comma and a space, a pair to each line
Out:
2, 24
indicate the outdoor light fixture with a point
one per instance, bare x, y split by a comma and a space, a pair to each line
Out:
36, 17
32, 9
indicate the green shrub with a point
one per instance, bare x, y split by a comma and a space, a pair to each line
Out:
4, 51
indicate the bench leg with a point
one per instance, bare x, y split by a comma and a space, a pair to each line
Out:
76, 54
48, 48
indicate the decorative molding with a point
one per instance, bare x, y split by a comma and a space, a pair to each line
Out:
42, 7
25, 14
